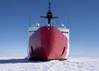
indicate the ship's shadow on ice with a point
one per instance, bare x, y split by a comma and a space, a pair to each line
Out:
4, 61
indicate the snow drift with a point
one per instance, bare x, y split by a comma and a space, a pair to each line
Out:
72, 64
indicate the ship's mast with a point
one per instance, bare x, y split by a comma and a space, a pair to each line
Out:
49, 14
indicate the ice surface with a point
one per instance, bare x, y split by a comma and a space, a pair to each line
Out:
72, 64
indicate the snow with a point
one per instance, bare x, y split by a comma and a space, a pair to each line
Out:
72, 64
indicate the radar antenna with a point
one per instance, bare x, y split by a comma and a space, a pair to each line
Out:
49, 14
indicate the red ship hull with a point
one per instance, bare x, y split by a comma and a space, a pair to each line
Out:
47, 43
